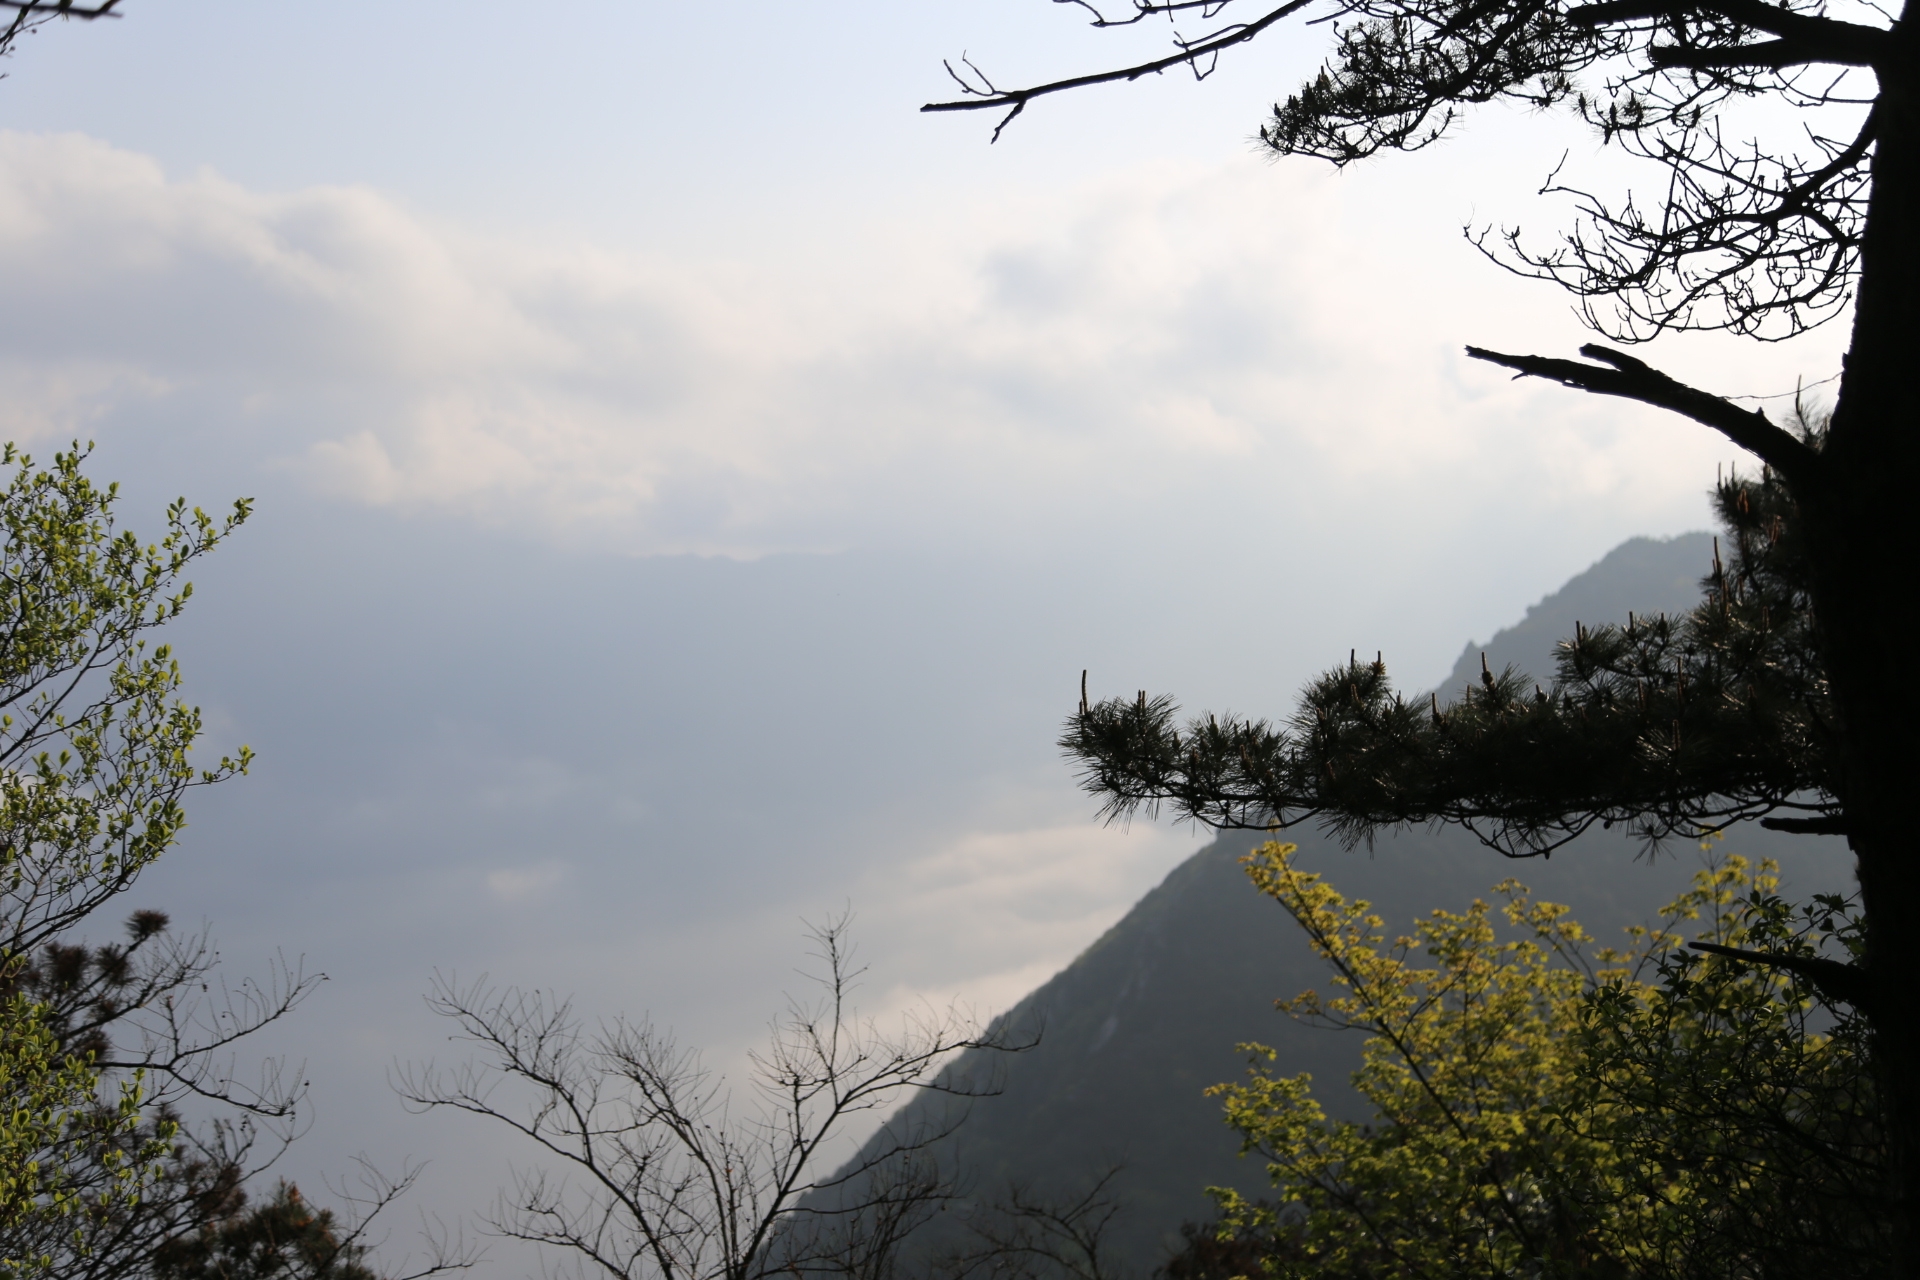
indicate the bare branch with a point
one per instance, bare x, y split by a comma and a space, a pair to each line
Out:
986, 96
1834, 979
1025, 1236
1771, 53
1633, 379
1759, 241
63, 8
666, 1176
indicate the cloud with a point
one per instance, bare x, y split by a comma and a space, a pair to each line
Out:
995, 372
1031, 898
63, 401
518, 884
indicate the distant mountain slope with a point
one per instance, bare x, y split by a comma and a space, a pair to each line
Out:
1137, 1027
1645, 575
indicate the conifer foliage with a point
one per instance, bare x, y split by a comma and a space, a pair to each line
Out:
285, 1238
1781, 140
1667, 724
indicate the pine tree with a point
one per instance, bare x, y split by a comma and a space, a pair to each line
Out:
1668, 726
283, 1239
1743, 235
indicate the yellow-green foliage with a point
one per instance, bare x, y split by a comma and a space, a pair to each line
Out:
43, 1090
53, 1110
94, 760
94, 742
1525, 1096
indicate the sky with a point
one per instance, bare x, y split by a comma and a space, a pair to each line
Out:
690, 482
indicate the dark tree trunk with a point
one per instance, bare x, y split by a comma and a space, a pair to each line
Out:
1863, 523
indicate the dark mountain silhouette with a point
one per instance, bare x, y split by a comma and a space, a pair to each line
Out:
1135, 1029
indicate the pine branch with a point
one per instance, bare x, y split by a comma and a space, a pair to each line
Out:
1669, 726
1768, 53
1847, 983
1756, 14
988, 96
1633, 379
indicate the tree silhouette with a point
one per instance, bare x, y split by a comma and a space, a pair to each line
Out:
1667, 724
19, 17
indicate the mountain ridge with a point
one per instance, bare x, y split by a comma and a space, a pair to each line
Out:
1136, 1027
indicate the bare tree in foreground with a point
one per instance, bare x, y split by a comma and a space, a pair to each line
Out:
654, 1168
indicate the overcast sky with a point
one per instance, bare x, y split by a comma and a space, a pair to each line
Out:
691, 482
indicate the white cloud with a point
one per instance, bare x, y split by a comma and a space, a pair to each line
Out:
63, 401
970, 374
1030, 899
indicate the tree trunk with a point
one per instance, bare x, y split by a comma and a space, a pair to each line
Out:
1863, 525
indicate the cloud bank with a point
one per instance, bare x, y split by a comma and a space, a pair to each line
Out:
987, 373
1202, 427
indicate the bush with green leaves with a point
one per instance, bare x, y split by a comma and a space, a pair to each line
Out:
1545, 1107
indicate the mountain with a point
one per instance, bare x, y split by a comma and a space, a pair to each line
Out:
1644, 575
1135, 1029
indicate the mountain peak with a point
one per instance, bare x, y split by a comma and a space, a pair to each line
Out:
1642, 575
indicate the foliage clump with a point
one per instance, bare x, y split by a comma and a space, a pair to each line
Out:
285, 1238
1545, 1107
94, 762
103, 1043
1666, 724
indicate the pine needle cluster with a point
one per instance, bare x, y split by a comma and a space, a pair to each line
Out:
1670, 725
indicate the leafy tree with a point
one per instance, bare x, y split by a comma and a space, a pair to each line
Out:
1745, 227
94, 743
93, 763
1466, 1065
1235, 1251
50, 1099
1739, 1101
1662, 1113
103, 1044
